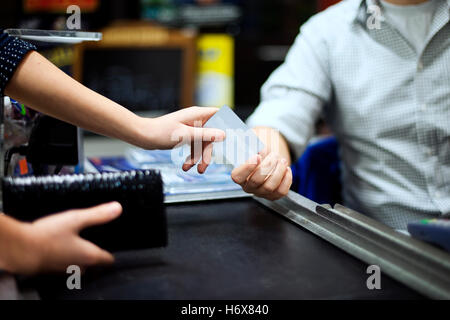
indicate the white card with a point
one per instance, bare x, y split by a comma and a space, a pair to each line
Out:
240, 144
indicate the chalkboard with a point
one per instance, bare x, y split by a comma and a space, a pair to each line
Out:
143, 67
137, 78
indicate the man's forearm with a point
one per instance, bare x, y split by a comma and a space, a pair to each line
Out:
274, 141
42, 86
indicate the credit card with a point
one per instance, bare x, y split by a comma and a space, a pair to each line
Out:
240, 144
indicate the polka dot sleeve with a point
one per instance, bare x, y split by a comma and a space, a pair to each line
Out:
12, 51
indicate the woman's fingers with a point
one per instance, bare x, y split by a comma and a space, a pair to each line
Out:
192, 115
188, 135
201, 141
194, 157
212, 135
95, 215
206, 157
93, 255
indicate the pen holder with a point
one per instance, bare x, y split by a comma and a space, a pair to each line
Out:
142, 223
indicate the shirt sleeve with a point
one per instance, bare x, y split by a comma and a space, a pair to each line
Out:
294, 95
12, 51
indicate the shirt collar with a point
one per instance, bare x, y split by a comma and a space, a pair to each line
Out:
360, 14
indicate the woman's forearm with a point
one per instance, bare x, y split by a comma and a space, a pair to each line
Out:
11, 242
42, 86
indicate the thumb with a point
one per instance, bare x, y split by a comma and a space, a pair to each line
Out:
192, 115
97, 215
94, 255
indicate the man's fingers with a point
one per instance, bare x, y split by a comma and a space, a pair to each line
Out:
96, 215
282, 189
264, 153
285, 184
272, 183
262, 173
241, 173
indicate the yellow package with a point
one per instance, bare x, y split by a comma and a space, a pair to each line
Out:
215, 74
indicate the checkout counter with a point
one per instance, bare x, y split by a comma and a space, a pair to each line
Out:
234, 249
223, 249
251, 248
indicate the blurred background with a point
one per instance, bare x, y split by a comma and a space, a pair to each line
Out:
238, 44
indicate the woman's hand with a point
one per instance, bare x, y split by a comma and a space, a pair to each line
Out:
184, 127
53, 242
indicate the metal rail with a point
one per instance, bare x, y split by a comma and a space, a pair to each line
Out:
416, 264
205, 196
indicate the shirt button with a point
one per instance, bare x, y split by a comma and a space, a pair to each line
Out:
423, 107
420, 65
438, 195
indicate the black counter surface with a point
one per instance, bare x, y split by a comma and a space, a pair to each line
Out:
234, 249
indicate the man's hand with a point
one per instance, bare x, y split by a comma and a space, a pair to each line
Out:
266, 175
53, 243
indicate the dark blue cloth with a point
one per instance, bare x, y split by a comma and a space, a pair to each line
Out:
316, 175
12, 51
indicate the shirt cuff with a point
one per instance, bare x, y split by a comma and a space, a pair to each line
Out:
295, 120
12, 51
